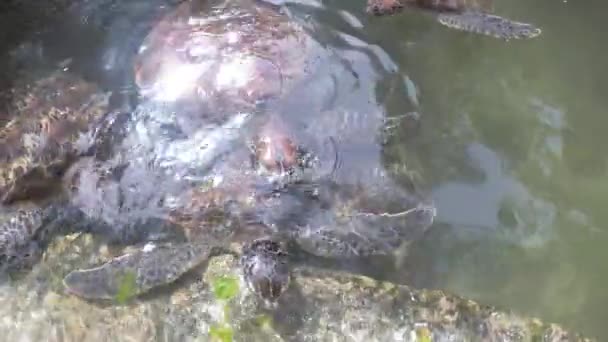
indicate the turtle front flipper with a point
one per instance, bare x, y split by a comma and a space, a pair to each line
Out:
489, 25
136, 273
363, 234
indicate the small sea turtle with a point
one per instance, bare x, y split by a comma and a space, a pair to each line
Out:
42, 126
466, 15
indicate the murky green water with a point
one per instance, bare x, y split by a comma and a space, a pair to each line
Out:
511, 146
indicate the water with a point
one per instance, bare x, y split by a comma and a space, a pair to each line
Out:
510, 144
506, 136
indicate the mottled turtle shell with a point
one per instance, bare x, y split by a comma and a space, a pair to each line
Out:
197, 51
43, 126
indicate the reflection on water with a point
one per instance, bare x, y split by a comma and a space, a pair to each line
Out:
511, 144
506, 136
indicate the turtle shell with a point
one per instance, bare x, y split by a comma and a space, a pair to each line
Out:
200, 52
42, 128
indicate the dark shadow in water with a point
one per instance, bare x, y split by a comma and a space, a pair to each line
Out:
21, 21
95, 39
101, 37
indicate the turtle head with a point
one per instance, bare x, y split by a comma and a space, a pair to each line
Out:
265, 269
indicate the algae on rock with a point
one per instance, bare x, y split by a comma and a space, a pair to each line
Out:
320, 305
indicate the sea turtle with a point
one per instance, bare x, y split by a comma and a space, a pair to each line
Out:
28, 230
261, 225
43, 130
54, 112
467, 15
231, 57
191, 128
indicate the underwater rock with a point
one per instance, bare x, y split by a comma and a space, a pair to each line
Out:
212, 301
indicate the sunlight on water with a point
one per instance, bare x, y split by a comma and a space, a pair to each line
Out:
178, 80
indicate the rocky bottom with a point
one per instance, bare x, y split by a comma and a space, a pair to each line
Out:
212, 303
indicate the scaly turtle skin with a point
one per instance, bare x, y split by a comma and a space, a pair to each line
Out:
465, 15
165, 154
41, 132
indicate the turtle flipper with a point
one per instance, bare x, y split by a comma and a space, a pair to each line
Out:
487, 24
366, 234
265, 268
136, 273
16, 236
25, 233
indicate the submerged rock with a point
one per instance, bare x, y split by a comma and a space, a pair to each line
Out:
212, 302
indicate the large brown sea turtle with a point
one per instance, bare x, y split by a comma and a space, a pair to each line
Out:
218, 63
234, 214
466, 15
204, 73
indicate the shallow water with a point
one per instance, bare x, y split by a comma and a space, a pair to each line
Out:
511, 146
505, 144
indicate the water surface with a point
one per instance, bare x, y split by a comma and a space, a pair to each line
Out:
511, 146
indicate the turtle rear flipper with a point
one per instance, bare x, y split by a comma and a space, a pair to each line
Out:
136, 273
27, 231
489, 25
